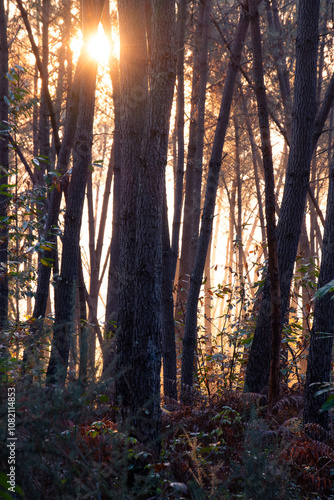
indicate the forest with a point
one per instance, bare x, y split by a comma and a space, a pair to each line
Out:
166, 249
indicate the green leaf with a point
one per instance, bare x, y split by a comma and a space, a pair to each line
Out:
45, 263
329, 287
329, 404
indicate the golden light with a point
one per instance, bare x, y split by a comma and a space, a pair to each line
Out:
99, 47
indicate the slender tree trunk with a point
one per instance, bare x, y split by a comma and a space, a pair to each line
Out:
203, 77
256, 173
44, 142
83, 340
189, 341
170, 252
178, 195
113, 284
168, 328
208, 301
239, 201
276, 42
186, 258
63, 325
50, 234
295, 191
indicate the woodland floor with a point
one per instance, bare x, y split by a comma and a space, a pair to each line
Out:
70, 446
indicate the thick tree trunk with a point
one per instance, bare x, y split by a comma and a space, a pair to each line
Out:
295, 191
189, 341
139, 340
320, 352
275, 292
134, 95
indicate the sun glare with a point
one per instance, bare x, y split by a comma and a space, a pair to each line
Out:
98, 46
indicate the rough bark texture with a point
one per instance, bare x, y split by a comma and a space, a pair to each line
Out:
64, 318
63, 325
295, 191
139, 322
189, 341
134, 93
4, 168
320, 351
275, 292
187, 256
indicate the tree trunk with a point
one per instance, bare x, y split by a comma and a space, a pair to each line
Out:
134, 94
139, 334
320, 352
187, 255
113, 283
295, 191
275, 292
168, 325
64, 318
203, 77
189, 341
83, 331
178, 195
50, 233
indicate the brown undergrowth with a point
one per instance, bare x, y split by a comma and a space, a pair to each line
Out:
72, 446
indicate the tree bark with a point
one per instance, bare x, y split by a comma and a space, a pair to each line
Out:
203, 77
134, 95
275, 291
140, 356
113, 276
189, 341
181, 24
50, 233
295, 191
320, 351
64, 318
